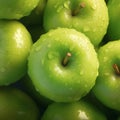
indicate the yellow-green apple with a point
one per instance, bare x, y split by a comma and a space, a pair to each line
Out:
87, 16
80, 110
17, 105
63, 65
107, 87
16, 9
15, 45
113, 32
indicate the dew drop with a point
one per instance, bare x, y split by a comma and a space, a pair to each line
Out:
105, 59
81, 72
51, 55
59, 8
93, 7
37, 48
49, 45
66, 4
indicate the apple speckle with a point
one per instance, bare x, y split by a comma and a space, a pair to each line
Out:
59, 8
66, 4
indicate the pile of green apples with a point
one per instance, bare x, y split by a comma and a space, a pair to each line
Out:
60, 60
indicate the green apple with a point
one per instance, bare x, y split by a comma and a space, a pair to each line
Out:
63, 65
80, 110
16, 9
107, 87
36, 16
17, 105
113, 32
15, 45
87, 16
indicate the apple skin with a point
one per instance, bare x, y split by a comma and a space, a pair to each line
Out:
15, 45
17, 105
16, 9
92, 18
80, 110
107, 87
113, 32
54, 80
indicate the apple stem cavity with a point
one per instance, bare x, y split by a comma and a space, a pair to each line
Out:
117, 69
66, 59
78, 8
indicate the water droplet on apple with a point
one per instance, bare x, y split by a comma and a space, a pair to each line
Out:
105, 59
81, 72
94, 7
66, 4
37, 90
59, 8
37, 48
49, 45
51, 55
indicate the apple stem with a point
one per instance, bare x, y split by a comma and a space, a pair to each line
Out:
117, 69
66, 59
77, 10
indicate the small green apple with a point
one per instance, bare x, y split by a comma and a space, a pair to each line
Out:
113, 32
17, 105
80, 110
87, 16
63, 65
15, 45
16, 9
107, 87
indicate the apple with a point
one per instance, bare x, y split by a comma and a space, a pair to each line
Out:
80, 110
107, 87
15, 45
63, 65
113, 32
16, 9
89, 17
17, 105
